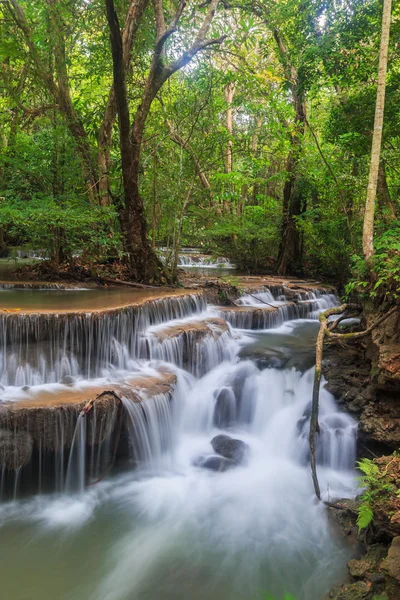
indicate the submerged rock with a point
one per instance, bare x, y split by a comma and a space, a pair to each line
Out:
225, 408
67, 380
230, 448
215, 463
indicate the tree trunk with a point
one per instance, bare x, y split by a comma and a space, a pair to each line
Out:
133, 19
368, 231
144, 264
289, 258
229, 93
385, 201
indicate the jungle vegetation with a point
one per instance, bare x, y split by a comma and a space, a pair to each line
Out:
242, 127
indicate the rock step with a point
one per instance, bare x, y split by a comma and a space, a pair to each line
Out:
259, 317
195, 344
46, 419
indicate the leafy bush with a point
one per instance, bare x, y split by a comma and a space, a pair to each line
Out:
377, 489
385, 265
60, 231
250, 240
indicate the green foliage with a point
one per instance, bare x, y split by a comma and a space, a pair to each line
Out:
42, 225
333, 49
284, 597
250, 239
385, 264
375, 487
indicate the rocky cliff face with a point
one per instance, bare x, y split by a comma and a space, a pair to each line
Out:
364, 376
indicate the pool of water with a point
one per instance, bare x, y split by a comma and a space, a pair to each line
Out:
77, 299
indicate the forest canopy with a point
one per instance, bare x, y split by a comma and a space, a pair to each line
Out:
243, 128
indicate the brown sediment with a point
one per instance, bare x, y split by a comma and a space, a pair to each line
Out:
134, 298
251, 309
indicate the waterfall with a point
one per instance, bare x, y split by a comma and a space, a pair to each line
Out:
45, 348
185, 260
174, 518
271, 308
76, 471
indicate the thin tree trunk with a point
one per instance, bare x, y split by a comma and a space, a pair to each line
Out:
289, 258
178, 235
229, 93
385, 201
368, 231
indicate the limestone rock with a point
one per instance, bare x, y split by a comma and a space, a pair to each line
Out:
354, 591
391, 564
15, 449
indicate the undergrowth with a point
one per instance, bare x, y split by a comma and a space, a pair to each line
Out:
378, 487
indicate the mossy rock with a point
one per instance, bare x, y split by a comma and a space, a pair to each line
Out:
354, 591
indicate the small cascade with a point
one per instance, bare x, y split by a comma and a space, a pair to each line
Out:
270, 409
76, 470
273, 307
197, 345
204, 261
150, 429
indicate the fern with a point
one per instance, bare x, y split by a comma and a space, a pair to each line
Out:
365, 516
369, 468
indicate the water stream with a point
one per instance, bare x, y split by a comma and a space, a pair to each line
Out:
170, 529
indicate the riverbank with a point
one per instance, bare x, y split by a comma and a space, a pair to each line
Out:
364, 377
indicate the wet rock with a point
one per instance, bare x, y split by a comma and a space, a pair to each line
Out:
225, 409
377, 579
391, 564
354, 591
215, 463
271, 362
358, 568
344, 513
264, 359
369, 563
15, 449
67, 380
230, 448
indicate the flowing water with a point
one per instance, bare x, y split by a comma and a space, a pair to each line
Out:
170, 529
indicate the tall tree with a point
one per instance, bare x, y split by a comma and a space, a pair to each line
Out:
143, 262
368, 231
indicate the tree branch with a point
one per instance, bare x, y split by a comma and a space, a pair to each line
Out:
200, 42
119, 77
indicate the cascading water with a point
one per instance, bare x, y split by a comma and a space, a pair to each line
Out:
173, 528
45, 348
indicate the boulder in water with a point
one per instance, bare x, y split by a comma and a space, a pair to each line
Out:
230, 448
67, 380
215, 463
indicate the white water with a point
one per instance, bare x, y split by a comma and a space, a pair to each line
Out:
172, 530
